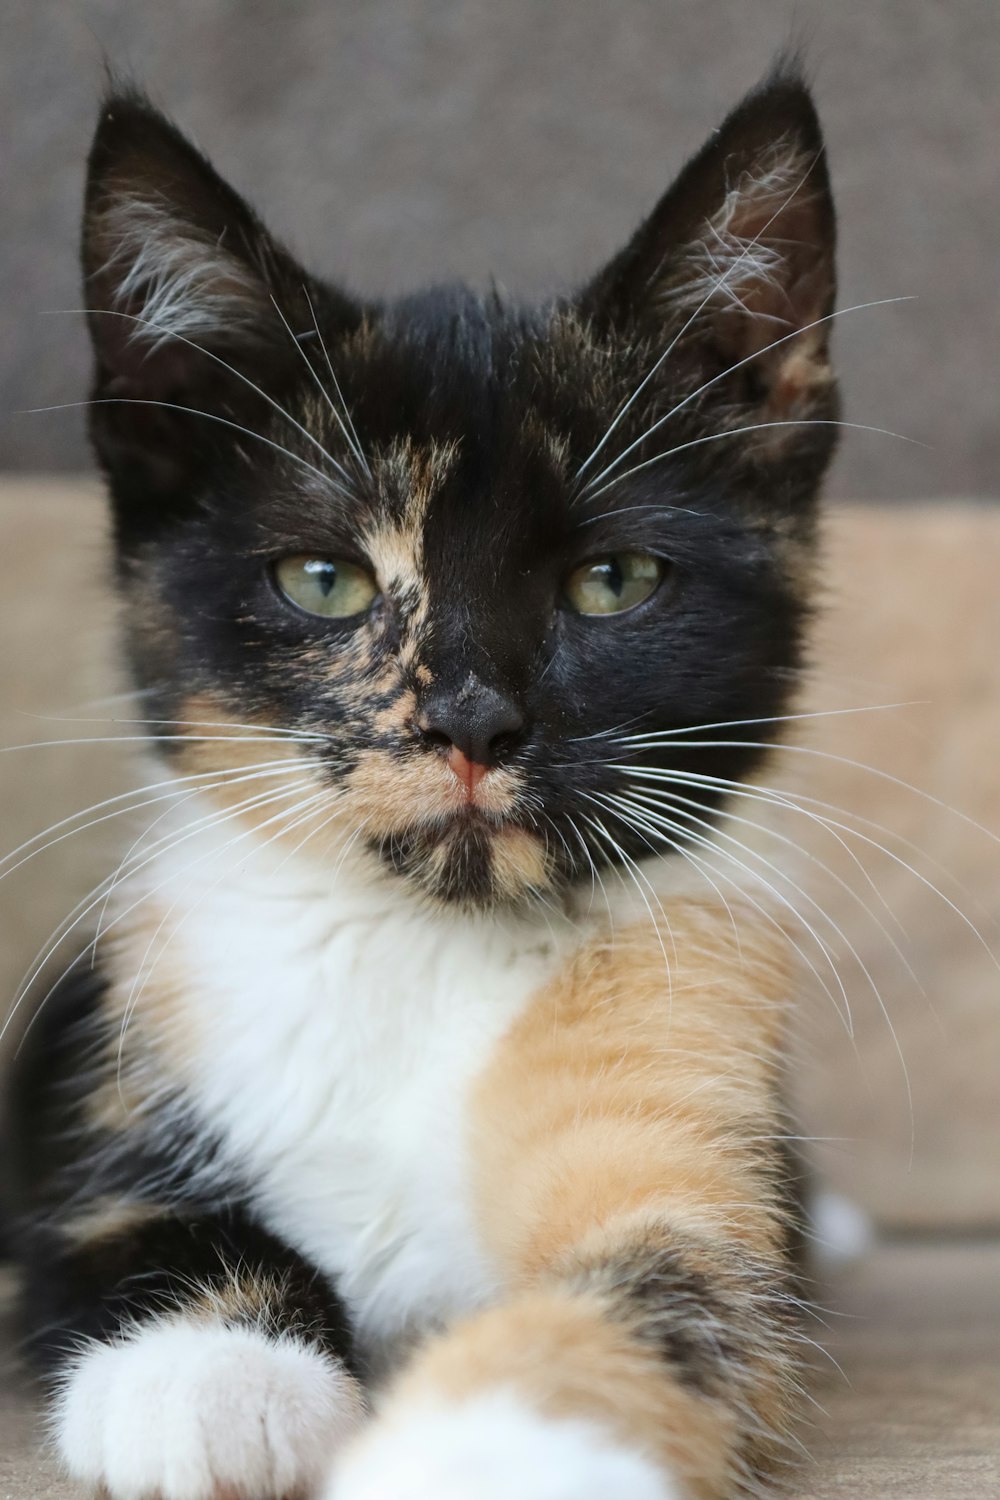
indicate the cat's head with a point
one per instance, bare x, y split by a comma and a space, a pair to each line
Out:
488, 570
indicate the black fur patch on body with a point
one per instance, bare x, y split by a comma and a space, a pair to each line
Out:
113, 1230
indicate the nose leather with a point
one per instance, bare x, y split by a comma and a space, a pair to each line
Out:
478, 723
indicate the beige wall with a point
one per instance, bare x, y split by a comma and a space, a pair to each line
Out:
912, 614
399, 141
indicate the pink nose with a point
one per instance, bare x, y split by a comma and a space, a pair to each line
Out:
469, 772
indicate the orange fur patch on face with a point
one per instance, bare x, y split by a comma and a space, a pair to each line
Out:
623, 1092
396, 552
399, 795
238, 768
410, 475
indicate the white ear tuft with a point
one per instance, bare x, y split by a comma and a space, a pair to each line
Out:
172, 278
745, 258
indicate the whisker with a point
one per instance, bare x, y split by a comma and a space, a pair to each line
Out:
677, 801
262, 768
279, 732
821, 713
716, 437
791, 799
144, 974
191, 411
107, 312
595, 876
768, 916
320, 386
234, 781
637, 875
799, 891
843, 760
154, 739
88, 903
350, 431
714, 380
712, 292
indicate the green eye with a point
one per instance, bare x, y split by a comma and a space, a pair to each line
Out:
327, 586
611, 585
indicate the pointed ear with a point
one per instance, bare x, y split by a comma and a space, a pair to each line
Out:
180, 275
743, 246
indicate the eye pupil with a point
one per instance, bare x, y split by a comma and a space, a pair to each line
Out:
332, 587
323, 573
614, 584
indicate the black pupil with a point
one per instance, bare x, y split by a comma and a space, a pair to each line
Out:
610, 574
324, 573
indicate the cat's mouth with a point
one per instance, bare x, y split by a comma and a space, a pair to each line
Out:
461, 839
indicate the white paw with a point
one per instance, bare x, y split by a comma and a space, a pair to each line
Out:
494, 1447
191, 1411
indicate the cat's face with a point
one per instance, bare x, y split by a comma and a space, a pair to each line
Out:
459, 553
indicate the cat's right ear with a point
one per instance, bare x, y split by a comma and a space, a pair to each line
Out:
735, 265
182, 281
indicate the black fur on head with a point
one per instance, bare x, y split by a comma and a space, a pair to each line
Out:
469, 454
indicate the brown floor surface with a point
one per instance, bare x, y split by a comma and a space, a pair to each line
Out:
915, 1416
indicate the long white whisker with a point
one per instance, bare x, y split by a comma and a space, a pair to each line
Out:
783, 875
837, 929
275, 730
607, 799
822, 713
791, 800
712, 292
191, 411
643, 818
677, 801
717, 437
349, 431
843, 760
595, 876
144, 973
128, 805
107, 312
158, 739
637, 874
320, 386
88, 904
193, 792
706, 385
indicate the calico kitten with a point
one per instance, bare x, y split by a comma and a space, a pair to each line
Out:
430, 1064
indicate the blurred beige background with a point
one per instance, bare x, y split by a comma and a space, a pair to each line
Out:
392, 142
395, 142
908, 1109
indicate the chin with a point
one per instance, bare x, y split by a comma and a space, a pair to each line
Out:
473, 863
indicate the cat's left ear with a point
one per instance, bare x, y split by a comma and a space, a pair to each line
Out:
180, 274
743, 246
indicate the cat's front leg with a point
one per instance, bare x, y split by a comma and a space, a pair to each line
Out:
632, 1188
216, 1367
655, 1368
497, 1446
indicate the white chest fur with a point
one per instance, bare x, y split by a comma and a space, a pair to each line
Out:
331, 1030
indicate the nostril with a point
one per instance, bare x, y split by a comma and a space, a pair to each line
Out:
506, 742
484, 726
435, 738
